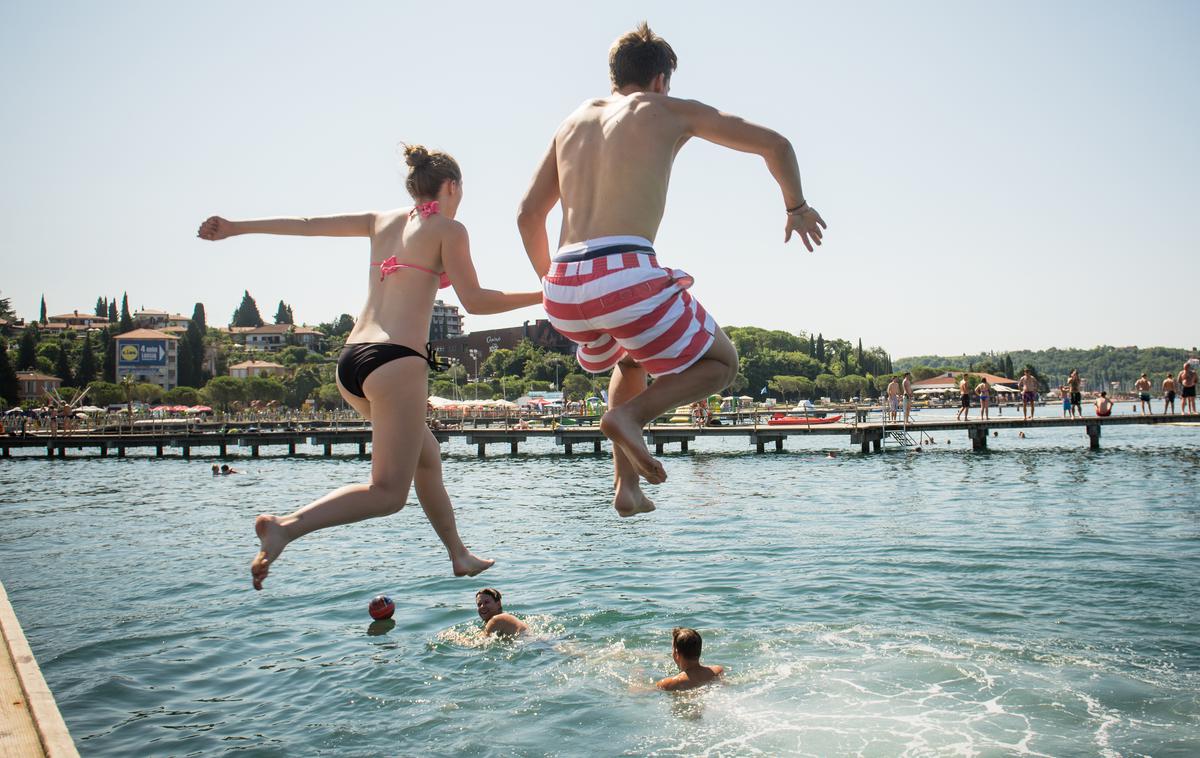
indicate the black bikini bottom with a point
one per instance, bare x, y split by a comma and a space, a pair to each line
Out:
358, 360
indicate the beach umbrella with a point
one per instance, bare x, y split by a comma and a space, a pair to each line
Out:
14, 411
199, 409
89, 409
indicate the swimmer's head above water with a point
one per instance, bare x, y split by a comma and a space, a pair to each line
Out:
487, 603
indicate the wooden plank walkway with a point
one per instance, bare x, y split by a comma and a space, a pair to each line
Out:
868, 435
30, 723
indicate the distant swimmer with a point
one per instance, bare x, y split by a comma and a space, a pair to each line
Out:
606, 288
964, 399
1168, 388
1104, 406
226, 470
1187, 383
1142, 386
1028, 384
216, 470
383, 371
686, 646
495, 620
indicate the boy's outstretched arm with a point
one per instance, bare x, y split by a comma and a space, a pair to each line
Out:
345, 225
535, 207
710, 124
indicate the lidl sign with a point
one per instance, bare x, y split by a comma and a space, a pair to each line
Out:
142, 353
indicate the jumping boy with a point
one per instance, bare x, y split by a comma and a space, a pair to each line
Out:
609, 165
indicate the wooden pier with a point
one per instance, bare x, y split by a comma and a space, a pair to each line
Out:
868, 436
30, 722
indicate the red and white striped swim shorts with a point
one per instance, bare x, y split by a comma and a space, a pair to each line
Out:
611, 297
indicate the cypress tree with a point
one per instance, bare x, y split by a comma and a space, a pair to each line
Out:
112, 311
10, 388
87, 362
126, 319
247, 313
62, 367
27, 351
101, 308
43, 313
283, 314
187, 371
196, 332
821, 347
109, 350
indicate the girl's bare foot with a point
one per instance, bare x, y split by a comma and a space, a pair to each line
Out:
272, 538
630, 501
468, 564
618, 426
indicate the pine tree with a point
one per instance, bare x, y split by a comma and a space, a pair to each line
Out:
247, 313
112, 311
101, 307
126, 319
6, 311
62, 368
283, 314
87, 362
27, 351
196, 332
10, 388
42, 319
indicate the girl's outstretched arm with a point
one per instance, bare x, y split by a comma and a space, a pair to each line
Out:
456, 257
346, 225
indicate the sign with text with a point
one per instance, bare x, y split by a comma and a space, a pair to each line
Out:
142, 353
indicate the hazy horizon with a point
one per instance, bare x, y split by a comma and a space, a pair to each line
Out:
990, 174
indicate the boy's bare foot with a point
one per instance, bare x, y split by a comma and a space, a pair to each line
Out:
617, 425
272, 540
468, 564
630, 502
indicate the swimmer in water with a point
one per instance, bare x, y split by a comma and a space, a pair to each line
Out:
495, 620
226, 469
686, 646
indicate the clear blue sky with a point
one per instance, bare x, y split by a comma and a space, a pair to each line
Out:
994, 175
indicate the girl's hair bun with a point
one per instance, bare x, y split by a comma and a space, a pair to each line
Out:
416, 155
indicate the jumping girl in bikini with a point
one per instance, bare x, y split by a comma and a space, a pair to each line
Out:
414, 252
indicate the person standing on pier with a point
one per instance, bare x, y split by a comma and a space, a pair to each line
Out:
906, 388
893, 399
609, 164
1168, 388
414, 251
984, 391
1143, 388
964, 399
1028, 384
1074, 382
1187, 383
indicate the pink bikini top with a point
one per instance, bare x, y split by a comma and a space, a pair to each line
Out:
390, 265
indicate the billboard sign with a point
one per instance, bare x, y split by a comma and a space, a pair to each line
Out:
142, 353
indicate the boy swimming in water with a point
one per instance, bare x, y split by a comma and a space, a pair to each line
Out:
609, 165
686, 646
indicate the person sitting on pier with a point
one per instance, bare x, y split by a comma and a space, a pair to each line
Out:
1104, 406
1168, 388
1143, 387
686, 646
495, 620
416, 250
609, 164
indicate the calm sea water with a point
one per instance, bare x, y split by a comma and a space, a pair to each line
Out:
1038, 599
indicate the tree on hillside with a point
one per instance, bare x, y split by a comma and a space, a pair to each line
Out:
820, 348
101, 307
86, 372
283, 314
108, 349
339, 327
27, 350
198, 317
112, 311
247, 313
196, 332
126, 319
10, 388
185, 362
62, 368
6, 311
42, 314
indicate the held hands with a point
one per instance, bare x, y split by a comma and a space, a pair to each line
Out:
808, 224
217, 228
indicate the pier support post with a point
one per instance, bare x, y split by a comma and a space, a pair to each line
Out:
567, 445
292, 447
158, 451
779, 444
254, 451
596, 446
6, 453
49, 451
480, 452
120, 452
362, 448
103, 450
512, 447
877, 444
187, 452
62, 451
683, 446
222, 449
979, 437
658, 448
328, 449
1093, 432
866, 444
